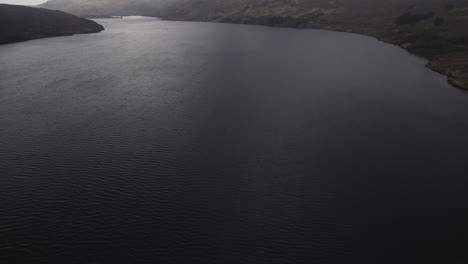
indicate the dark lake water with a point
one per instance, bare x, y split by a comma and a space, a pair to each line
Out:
176, 142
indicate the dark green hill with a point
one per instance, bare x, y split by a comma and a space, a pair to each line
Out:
20, 23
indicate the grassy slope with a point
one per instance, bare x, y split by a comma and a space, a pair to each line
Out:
20, 23
435, 29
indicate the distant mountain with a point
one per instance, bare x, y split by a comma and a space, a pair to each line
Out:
435, 29
20, 23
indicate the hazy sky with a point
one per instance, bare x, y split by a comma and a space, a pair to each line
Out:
22, 2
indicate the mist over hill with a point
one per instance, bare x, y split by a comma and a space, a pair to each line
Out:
435, 29
20, 23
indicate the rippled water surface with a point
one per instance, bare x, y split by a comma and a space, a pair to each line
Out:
177, 142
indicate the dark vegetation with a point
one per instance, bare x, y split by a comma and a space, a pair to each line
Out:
21, 23
412, 19
431, 43
439, 21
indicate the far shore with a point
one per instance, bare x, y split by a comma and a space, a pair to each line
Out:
445, 64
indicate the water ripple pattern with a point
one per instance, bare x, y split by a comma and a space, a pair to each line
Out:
176, 142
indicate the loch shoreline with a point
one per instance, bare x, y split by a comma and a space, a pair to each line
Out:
457, 81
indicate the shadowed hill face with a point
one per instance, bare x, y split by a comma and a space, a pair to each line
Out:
20, 23
202, 6
397, 21
309, 13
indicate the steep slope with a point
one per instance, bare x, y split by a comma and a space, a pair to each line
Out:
20, 23
435, 29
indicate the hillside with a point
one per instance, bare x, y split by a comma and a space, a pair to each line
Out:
435, 29
21, 23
